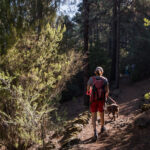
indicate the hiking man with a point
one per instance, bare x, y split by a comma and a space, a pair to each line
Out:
98, 89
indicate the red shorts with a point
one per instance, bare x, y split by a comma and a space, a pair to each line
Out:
96, 106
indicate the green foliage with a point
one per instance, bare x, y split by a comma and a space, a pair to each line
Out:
145, 107
34, 69
147, 96
69, 38
135, 40
33, 73
100, 13
134, 35
146, 22
20, 117
74, 87
139, 54
16, 17
99, 57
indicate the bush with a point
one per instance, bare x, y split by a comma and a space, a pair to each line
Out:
74, 87
33, 74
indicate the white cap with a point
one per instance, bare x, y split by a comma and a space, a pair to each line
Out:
99, 68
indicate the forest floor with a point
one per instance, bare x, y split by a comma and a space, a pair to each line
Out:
131, 131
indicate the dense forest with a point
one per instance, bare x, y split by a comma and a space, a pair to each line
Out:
46, 58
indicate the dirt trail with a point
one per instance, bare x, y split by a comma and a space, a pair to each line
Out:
121, 135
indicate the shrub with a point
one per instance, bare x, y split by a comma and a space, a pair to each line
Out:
33, 74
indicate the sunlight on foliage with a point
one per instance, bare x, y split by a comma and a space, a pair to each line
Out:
146, 22
34, 73
147, 96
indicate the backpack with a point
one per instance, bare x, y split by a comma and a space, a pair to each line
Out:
98, 89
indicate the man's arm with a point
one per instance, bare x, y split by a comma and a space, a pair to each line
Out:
107, 91
89, 85
88, 88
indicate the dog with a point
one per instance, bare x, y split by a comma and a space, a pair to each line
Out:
114, 110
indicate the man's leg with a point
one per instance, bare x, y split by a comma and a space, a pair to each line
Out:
102, 121
101, 113
102, 118
94, 118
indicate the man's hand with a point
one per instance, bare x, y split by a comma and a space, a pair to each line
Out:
88, 90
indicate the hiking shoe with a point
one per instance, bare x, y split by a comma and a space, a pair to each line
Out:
95, 136
103, 129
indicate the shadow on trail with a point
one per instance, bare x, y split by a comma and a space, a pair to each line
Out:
130, 106
123, 134
88, 141
135, 136
108, 121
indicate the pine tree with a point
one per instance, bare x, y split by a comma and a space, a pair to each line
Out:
34, 71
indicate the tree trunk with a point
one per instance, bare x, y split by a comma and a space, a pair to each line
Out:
114, 41
118, 45
97, 31
39, 14
86, 24
90, 37
86, 47
115, 44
